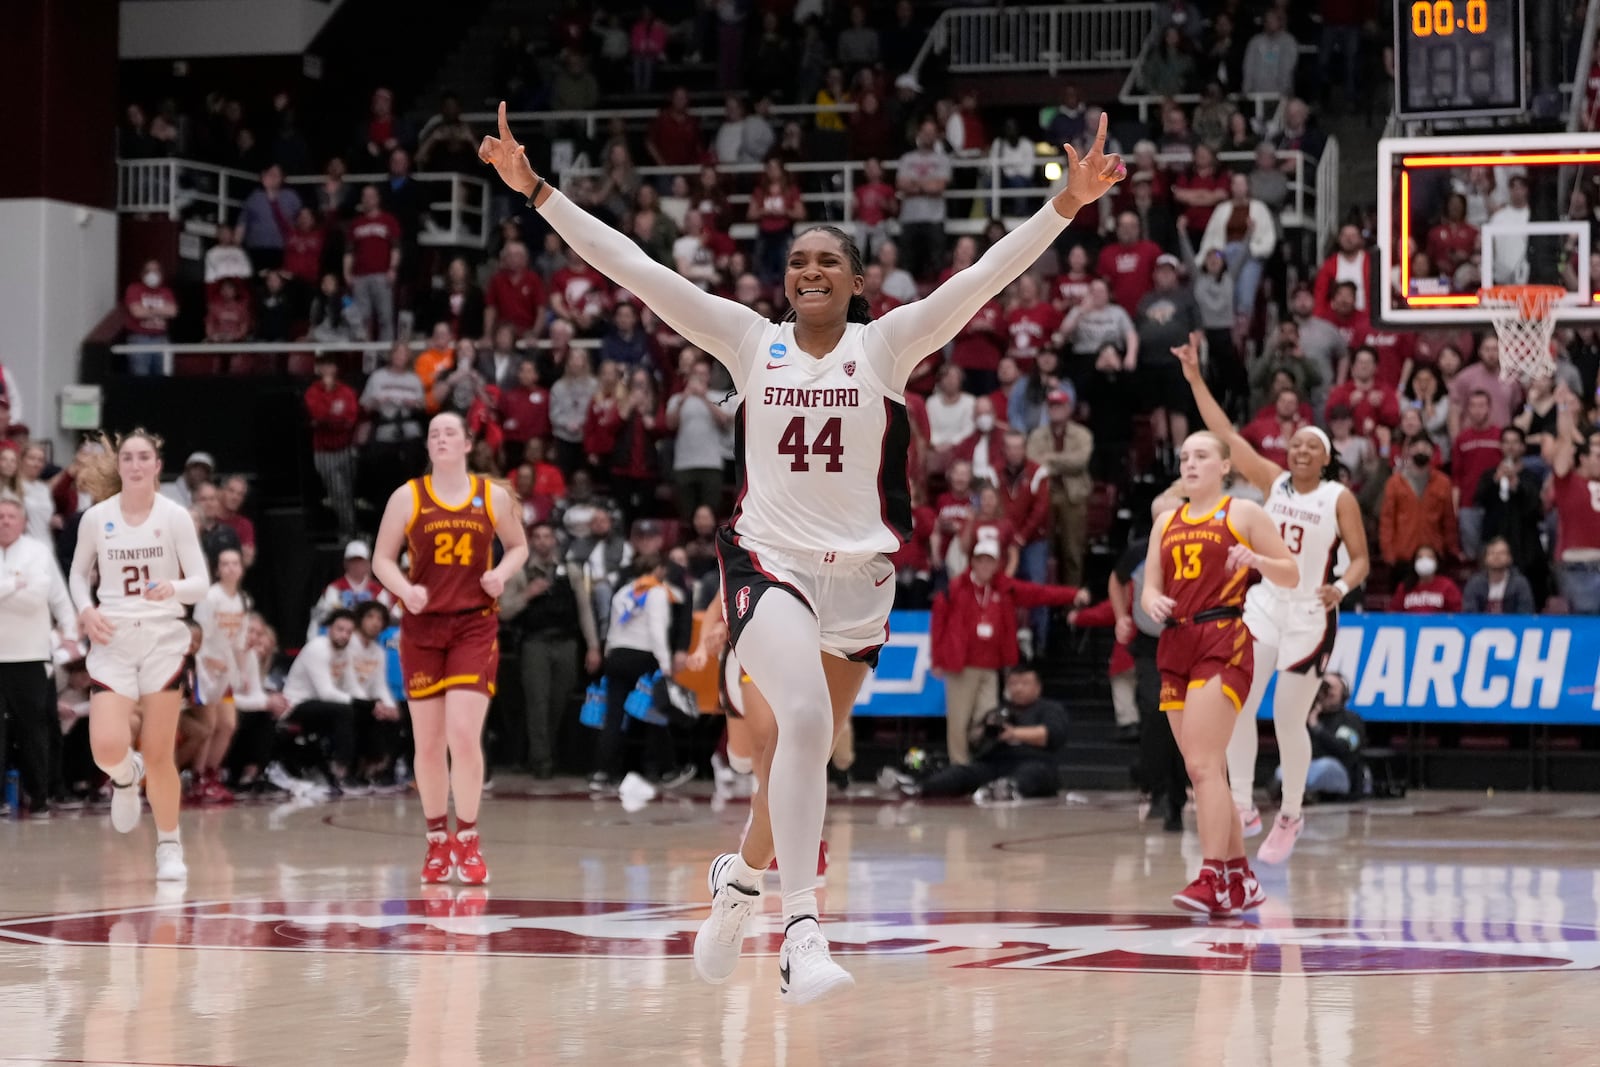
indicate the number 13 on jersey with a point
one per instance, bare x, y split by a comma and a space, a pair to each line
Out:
1186, 561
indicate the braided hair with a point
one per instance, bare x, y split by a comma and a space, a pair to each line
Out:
860, 310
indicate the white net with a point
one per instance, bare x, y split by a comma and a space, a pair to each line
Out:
1524, 318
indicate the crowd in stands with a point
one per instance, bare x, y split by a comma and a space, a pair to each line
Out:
1050, 419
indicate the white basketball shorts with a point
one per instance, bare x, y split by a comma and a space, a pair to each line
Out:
1300, 630
145, 656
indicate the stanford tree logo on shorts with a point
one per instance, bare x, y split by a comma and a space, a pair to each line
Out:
741, 602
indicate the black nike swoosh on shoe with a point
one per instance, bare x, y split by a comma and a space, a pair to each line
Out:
783, 973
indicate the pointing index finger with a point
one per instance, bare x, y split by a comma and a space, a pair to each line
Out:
505, 130
1100, 136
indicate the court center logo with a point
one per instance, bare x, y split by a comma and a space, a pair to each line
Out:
1013, 940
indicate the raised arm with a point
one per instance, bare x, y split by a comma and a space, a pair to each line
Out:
705, 321
911, 331
1256, 469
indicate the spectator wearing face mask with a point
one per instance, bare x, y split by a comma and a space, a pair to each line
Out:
1427, 592
149, 307
1498, 588
985, 446
1417, 509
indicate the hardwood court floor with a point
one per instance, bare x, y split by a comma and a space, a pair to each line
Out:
1438, 930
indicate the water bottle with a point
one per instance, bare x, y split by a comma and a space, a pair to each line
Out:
14, 792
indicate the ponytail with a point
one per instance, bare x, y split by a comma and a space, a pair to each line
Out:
99, 476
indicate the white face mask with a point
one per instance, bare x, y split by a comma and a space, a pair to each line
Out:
1426, 566
152, 279
985, 423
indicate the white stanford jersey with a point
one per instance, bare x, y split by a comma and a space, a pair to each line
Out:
163, 548
822, 446
823, 442
1309, 525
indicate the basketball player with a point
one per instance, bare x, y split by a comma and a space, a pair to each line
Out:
1200, 560
224, 650
447, 522
150, 564
1293, 629
824, 440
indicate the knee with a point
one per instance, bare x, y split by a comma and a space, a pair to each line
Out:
158, 758
807, 728
1203, 769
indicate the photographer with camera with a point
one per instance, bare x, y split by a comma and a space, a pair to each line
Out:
1016, 749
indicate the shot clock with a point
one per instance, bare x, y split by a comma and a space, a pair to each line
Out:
1458, 58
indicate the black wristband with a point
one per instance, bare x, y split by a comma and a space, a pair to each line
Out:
535, 194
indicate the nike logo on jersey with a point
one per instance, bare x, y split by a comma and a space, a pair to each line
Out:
885, 578
777, 366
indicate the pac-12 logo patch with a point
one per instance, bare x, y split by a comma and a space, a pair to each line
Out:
850, 368
777, 351
741, 602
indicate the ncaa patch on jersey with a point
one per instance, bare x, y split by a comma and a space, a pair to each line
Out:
477, 501
741, 601
777, 351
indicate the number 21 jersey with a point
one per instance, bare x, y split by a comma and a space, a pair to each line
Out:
451, 548
823, 446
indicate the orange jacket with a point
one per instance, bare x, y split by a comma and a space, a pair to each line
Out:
1407, 522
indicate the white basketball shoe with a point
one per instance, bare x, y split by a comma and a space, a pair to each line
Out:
720, 939
125, 802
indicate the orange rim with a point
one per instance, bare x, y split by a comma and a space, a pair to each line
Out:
1531, 301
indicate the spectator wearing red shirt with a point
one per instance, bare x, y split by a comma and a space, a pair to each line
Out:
600, 428
775, 206
1025, 492
524, 409
1454, 241
1374, 405
1427, 592
515, 294
148, 306
914, 563
1269, 433
953, 510
545, 479
580, 294
974, 637
979, 346
1476, 452
989, 522
1575, 498
372, 263
1396, 351
674, 136
302, 251
876, 203
334, 410
1072, 285
880, 302
1198, 191
647, 45
1127, 264
1030, 323
1349, 263
1006, 376
228, 314
635, 463
230, 507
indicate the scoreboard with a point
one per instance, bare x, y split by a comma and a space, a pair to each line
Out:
1459, 58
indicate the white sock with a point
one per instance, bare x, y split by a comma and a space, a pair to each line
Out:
782, 651
1242, 746
121, 773
1291, 706
744, 875
740, 764
163, 836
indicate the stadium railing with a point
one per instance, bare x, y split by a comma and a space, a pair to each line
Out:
372, 352
458, 206
1050, 38
1313, 189
595, 121
1265, 106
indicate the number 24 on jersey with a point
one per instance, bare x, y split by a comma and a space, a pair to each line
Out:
450, 550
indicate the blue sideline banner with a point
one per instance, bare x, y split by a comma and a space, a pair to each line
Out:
904, 683
1527, 669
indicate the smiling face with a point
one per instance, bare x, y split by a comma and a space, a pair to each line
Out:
1307, 457
821, 277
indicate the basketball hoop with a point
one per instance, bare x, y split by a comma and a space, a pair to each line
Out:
1524, 317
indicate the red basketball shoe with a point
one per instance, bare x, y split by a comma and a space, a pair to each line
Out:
1246, 890
470, 867
1209, 894
440, 860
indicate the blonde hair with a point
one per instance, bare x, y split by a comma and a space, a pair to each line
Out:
99, 476
1223, 450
